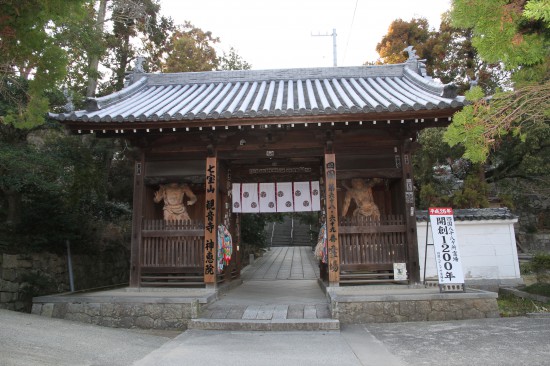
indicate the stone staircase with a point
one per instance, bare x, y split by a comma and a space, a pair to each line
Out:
297, 317
289, 233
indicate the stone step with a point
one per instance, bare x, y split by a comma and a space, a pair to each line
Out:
265, 325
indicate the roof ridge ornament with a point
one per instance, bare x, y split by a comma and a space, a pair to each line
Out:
69, 106
412, 53
134, 75
414, 58
138, 68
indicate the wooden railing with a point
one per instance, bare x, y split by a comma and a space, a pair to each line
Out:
371, 246
172, 253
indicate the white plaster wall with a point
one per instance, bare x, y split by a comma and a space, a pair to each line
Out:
488, 251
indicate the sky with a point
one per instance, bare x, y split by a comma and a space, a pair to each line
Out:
278, 34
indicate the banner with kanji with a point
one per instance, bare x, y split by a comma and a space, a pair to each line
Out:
276, 197
447, 254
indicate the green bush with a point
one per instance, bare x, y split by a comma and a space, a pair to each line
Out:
540, 262
510, 305
541, 266
542, 289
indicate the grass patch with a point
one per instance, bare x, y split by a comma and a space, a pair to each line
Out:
510, 305
538, 289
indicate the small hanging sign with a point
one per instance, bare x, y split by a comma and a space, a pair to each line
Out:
447, 254
400, 271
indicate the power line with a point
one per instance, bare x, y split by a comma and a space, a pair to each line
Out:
350, 30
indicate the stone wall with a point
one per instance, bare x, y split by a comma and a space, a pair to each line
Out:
357, 312
533, 227
23, 276
124, 315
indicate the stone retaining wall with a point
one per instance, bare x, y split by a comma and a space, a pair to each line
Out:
23, 276
123, 315
393, 304
407, 311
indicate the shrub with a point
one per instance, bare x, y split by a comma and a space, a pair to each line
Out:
541, 266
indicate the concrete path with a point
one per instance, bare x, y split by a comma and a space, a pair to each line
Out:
284, 263
354, 346
280, 285
27, 339
483, 342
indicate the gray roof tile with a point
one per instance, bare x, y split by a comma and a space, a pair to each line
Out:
265, 93
474, 214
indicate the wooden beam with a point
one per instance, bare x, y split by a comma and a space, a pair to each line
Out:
387, 173
137, 220
331, 201
210, 222
220, 123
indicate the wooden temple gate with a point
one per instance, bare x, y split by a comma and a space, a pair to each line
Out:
202, 129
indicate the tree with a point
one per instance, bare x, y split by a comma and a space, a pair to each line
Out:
443, 176
448, 53
416, 33
135, 24
191, 49
52, 187
517, 33
30, 55
232, 61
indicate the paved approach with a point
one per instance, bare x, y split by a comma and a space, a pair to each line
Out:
27, 339
280, 285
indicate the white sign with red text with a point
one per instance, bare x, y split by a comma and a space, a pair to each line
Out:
447, 254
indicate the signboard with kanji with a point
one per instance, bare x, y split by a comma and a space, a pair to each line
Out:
447, 254
210, 224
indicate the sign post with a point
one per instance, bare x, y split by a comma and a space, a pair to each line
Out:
447, 255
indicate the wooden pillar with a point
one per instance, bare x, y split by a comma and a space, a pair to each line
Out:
211, 222
137, 220
331, 201
413, 267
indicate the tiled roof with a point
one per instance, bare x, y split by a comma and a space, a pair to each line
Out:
474, 214
257, 94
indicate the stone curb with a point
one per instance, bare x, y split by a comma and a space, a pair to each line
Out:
266, 325
538, 315
526, 295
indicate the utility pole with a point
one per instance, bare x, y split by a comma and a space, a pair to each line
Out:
333, 43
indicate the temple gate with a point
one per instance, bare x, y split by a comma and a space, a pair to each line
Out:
353, 129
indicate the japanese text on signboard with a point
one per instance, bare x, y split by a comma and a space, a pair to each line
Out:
447, 255
210, 220
332, 224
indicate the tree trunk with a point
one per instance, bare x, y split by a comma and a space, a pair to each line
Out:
94, 59
123, 62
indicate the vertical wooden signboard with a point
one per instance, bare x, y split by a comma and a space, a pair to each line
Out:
210, 222
332, 221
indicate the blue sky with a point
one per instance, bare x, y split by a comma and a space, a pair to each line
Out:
278, 34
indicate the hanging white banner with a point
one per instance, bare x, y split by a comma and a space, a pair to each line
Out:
236, 195
447, 254
276, 197
315, 196
267, 197
302, 196
249, 198
285, 197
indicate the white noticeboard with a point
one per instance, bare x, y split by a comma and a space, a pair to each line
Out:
447, 254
